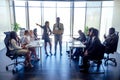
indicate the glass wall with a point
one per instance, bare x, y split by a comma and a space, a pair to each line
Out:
79, 17
93, 14
34, 15
49, 13
106, 18
20, 13
96, 14
63, 11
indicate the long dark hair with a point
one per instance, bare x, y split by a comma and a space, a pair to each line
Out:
13, 35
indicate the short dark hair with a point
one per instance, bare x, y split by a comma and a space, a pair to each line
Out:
111, 30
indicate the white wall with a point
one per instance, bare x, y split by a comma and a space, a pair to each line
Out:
4, 20
116, 19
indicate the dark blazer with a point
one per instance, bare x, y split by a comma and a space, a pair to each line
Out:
111, 43
46, 31
96, 49
82, 37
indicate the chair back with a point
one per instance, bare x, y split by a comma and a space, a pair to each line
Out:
7, 43
117, 33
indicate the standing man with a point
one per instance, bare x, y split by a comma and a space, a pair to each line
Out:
58, 30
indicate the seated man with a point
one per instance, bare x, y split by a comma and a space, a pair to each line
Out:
94, 51
111, 41
81, 38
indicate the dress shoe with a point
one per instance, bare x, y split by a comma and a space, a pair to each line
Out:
84, 70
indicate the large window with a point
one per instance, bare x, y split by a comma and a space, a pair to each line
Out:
93, 14
106, 18
49, 13
79, 17
35, 15
74, 15
20, 16
63, 11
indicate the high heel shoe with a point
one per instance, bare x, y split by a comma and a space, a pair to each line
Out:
26, 64
50, 53
46, 54
30, 65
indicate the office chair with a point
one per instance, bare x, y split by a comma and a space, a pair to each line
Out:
108, 52
10, 55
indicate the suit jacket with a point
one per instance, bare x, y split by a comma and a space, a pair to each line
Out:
96, 49
111, 43
82, 37
58, 29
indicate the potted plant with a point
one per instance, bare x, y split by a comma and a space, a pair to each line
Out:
86, 30
16, 27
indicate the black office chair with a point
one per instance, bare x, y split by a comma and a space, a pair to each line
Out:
112, 50
10, 55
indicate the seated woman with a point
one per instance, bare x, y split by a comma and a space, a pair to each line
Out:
16, 49
35, 34
26, 40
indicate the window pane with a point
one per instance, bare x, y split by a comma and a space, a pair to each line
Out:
35, 17
63, 4
106, 21
80, 4
20, 16
93, 17
64, 14
49, 4
79, 19
94, 4
34, 3
108, 3
51, 17
19, 3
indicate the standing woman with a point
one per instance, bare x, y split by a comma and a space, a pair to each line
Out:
47, 31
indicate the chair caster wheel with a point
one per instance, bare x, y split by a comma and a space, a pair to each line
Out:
7, 68
115, 63
13, 71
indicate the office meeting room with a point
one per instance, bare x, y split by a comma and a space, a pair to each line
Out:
59, 39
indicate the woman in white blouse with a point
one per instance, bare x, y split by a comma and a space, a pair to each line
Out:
26, 40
